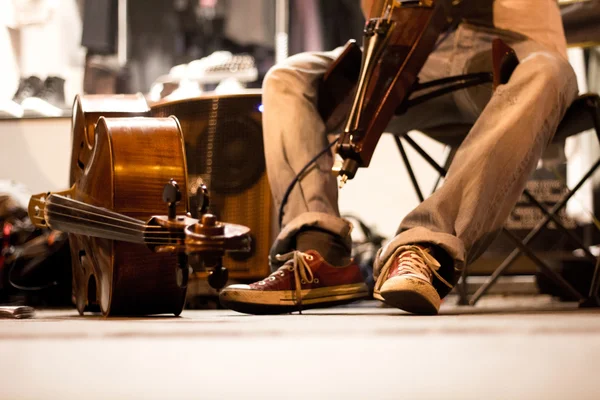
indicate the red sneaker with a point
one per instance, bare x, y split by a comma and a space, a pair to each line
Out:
406, 280
305, 281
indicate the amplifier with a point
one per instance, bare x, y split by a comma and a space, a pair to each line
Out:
224, 150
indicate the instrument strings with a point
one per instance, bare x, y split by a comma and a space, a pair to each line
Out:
149, 234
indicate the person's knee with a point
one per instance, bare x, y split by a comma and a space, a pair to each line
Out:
554, 72
281, 80
297, 75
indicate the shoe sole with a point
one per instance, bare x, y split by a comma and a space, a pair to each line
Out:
258, 302
411, 295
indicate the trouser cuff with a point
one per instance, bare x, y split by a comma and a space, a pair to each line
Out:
284, 242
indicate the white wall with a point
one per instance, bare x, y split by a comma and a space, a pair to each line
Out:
36, 153
382, 194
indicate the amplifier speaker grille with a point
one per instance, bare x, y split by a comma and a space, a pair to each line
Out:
224, 150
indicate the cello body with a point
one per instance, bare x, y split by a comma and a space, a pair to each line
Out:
128, 163
86, 112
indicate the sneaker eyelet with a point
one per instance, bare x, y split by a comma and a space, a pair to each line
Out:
302, 281
272, 278
282, 274
261, 282
316, 280
309, 257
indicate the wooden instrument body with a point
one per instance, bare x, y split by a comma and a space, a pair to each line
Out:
125, 170
86, 112
395, 49
389, 76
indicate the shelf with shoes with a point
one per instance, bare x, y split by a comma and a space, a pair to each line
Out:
37, 98
221, 72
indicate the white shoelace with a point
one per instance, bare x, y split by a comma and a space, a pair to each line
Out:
414, 260
302, 272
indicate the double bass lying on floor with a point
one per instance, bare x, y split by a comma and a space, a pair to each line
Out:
130, 249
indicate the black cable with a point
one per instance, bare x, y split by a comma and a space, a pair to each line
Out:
36, 252
33, 263
297, 179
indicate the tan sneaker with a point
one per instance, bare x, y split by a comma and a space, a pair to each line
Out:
405, 281
305, 281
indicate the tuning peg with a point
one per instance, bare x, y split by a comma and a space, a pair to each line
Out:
171, 196
202, 200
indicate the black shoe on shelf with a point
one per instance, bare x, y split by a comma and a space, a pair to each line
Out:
50, 101
28, 87
54, 91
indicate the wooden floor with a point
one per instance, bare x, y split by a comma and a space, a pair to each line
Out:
505, 348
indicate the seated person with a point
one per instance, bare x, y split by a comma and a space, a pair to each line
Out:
511, 127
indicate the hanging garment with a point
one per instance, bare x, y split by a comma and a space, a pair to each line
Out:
341, 20
99, 34
251, 22
305, 33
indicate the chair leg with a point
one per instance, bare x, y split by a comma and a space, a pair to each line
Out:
594, 104
463, 293
426, 156
559, 224
543, 267
482, 290
409, 168
593, 299
447, 163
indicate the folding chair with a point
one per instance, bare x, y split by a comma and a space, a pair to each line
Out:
582, 115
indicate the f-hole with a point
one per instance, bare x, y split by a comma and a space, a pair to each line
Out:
81, 255
80, 164
91, 292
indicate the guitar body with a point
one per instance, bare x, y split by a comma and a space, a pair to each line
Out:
128, 164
